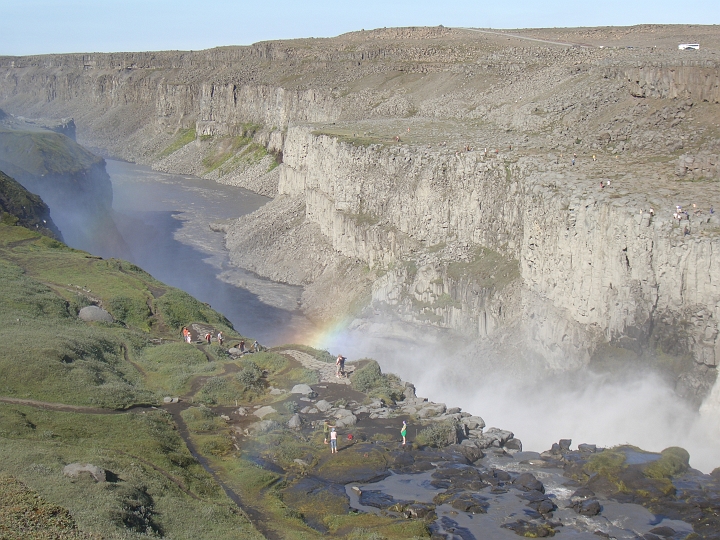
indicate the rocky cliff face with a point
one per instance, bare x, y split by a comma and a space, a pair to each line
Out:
488, 185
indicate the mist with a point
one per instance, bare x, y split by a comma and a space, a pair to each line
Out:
626, 406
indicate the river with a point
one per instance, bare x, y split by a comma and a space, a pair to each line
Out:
165, 220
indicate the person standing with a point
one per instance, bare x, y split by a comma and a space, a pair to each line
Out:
333, 441
208, 338
403, 431
220, 338
339, 365
326, 430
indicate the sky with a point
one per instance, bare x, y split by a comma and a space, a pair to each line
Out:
59, 26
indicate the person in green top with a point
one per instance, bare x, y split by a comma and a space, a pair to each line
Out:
403, 431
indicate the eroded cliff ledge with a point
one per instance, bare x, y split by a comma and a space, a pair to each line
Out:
508, 190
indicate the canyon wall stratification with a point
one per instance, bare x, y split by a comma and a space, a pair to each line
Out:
552, 200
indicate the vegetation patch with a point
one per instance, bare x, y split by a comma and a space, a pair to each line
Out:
437, 435
184, 136
370, 380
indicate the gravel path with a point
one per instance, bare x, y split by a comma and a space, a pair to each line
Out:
324, 369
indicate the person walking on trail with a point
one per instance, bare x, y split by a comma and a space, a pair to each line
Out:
333, 441
256, 346
340, 366
208, 338
186, 334
220, 338
326, 430
403, 431
242, 345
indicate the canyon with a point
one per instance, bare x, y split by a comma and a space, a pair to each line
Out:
551, 204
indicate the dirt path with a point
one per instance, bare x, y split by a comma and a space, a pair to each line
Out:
325, 370
61, 406
516, 36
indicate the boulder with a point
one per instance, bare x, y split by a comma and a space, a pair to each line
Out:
168, 399
565, 445
514, 444
303, 389
474, 422
323, 406
262, 412
295, 422
95, 314
528, 482
345, 418
590, 507
409, 391
242, 411
73, 470
591, 448
501, 435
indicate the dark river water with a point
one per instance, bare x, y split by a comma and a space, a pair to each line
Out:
164, 219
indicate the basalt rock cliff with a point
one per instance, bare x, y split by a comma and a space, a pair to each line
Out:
545, 192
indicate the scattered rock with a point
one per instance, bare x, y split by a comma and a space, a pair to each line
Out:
590, 507
527, 482
262, 412
303, 389
95, 314
323, 406
295, 422
73, 470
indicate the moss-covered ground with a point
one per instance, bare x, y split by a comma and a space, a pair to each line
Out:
92, 392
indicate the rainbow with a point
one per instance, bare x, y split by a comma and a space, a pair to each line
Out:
331, 336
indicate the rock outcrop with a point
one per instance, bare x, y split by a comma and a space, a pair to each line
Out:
515, 192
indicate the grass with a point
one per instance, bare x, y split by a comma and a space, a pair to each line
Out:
370, 380
157, 487
184, 136
24, 514
51, 355
169, 367
42, 153
37, 444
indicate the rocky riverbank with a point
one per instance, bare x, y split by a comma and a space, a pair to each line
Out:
459, 479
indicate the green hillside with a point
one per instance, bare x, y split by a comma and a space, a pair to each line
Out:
41, 153
80, 370
20, 207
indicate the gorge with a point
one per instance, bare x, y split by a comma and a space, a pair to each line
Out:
515, 199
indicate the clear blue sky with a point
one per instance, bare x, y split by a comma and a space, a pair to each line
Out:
54, 26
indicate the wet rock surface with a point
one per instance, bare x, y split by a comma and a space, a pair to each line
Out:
461, 491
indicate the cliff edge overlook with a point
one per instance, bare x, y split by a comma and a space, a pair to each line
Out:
549, 194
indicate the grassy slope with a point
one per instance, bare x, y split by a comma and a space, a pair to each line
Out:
158, 488
40, 153
19, 206
50, 355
